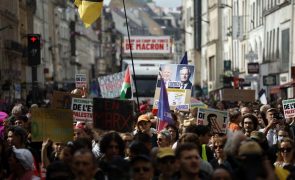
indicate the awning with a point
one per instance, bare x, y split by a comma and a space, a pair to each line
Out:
277, 89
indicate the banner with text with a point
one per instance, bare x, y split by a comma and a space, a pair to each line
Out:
56, 124
81, 80
112, 114
289, 108
82, 109
110, 86
178, 80
148, 44
216, 119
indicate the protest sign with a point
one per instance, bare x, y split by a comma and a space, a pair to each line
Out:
245, 95
178, 80
62, 99
56, 124
289, 108
82, 109
216, 119
110, 86
81, 81
112, 114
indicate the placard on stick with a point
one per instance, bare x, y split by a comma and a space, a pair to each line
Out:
81, 80
82, 109
289, 108
216, 119
56, 124
112, 114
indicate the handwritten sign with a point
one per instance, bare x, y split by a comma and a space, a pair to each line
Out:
56, 124
111, 114
289, 108
216, 119
110, 86
81, 80
62, 99
82, 109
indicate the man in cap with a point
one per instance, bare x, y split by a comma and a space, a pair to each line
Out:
141, 168
166, 163
144, 126
21, 163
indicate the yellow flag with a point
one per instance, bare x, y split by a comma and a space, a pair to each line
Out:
89, 10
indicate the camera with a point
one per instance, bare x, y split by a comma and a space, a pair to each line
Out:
278, 116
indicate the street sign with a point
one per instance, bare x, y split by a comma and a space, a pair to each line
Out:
269, 80
253, 68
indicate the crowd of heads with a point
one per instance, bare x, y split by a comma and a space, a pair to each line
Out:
258, 144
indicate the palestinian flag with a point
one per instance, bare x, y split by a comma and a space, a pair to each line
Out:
89, 10
126, 87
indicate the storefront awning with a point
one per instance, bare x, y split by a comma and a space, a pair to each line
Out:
276, 89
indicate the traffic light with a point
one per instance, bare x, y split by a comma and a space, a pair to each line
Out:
34, 49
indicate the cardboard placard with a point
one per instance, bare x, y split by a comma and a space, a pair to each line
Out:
81, 80
112, 114
214, 118
289, 108
62, 99
82, 109
178, 80
56, 124
110, 86
244, 95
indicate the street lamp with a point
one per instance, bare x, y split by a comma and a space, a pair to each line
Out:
224, 6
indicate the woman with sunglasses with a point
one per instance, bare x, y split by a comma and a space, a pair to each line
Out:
220, 157
286, 153
164, 139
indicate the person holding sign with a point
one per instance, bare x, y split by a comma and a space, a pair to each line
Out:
185, 75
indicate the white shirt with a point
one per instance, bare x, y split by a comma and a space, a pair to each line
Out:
271, 136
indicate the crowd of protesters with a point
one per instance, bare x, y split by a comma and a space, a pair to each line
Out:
259, 144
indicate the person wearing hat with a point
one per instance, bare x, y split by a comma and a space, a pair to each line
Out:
143, 125
270, 130
141, 168
21, 163
166, 163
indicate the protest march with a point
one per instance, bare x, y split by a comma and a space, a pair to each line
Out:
140, 115
175, 137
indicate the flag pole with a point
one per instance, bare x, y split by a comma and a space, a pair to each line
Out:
134, 77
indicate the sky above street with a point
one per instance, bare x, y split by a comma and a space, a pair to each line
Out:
162, 3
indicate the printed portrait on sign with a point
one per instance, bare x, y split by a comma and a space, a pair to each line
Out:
185, 74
